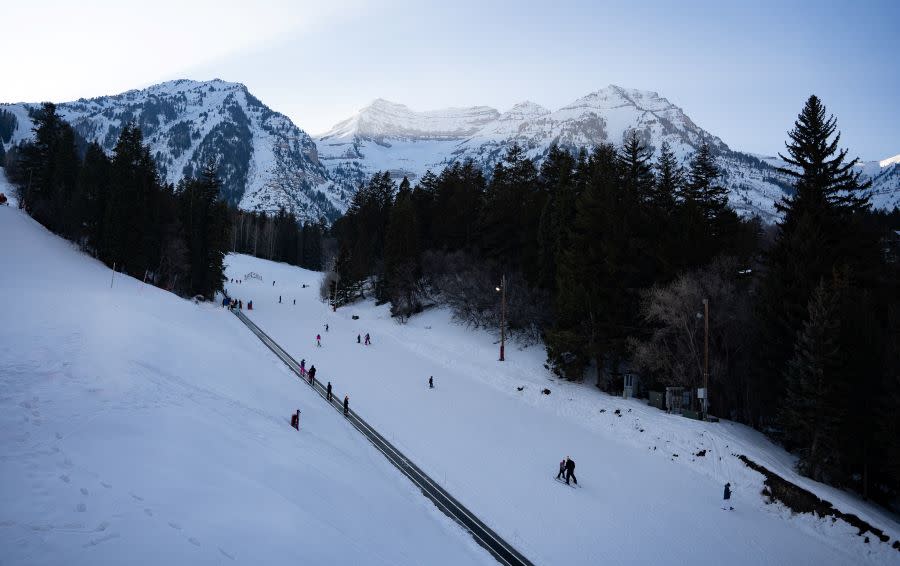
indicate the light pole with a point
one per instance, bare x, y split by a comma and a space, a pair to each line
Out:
502, 290
705, 357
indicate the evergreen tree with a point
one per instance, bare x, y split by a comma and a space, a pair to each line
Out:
204, 219
557, 179
636, 170
812, 408
817, 234
402, 253
92, 195
668, 181
511, 212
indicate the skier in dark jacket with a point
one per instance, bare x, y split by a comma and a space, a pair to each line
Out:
562, 469
368, 341
358, 339
303, 366
431, 382
727, 498
328, 393
346, 405
570, 470
312, 375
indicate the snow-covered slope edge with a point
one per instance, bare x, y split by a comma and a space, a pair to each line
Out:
139, 428
265, 161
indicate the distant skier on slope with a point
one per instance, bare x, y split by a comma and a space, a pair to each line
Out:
328, 392
727, 498
319, 340
570, 470
312, 375
562, 469
358, 339
430, 382
326, 327
303, 366
346, 404
368, 340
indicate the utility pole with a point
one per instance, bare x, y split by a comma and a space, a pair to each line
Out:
705, 357
502, 289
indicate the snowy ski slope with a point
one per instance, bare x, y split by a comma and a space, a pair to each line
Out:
140, 428
644, 497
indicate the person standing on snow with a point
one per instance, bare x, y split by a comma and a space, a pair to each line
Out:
279, 299
312, 375
727, 497
430, 382
346, 404
318, 340
326, 327
570, 470
328, 392
368, 340
562, 469
303, 366
358, 339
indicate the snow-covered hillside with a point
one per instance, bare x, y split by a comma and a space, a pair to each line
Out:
265, 161
139, 428
884, 175
646, 495
388, 136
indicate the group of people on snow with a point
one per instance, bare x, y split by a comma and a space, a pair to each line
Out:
567, 469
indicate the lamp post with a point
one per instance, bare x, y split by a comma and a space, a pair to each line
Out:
705, 357
502, 290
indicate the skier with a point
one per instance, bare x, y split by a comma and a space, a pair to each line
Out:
326, 327
570, 470
562, 469
295, 301
312, 375
727, 497
303, 366
358, 339
249, 305
319, 340
240, 304
430, 382
328, 393
368, 341
295, 420
273, 283
279, 299
346, 404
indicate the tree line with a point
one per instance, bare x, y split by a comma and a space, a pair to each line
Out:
279, 237
117, 209
609, 255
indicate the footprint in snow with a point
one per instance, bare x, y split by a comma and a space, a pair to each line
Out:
194, 541
81, 508
148, 512
106, 485
175, 526
84, 491
65, 478
136, 497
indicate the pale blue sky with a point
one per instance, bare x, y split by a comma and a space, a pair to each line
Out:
741, 70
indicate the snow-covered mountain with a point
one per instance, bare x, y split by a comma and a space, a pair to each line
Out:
884, 175
388, 136
266, 162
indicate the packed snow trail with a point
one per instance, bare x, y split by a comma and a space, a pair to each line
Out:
484, 535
